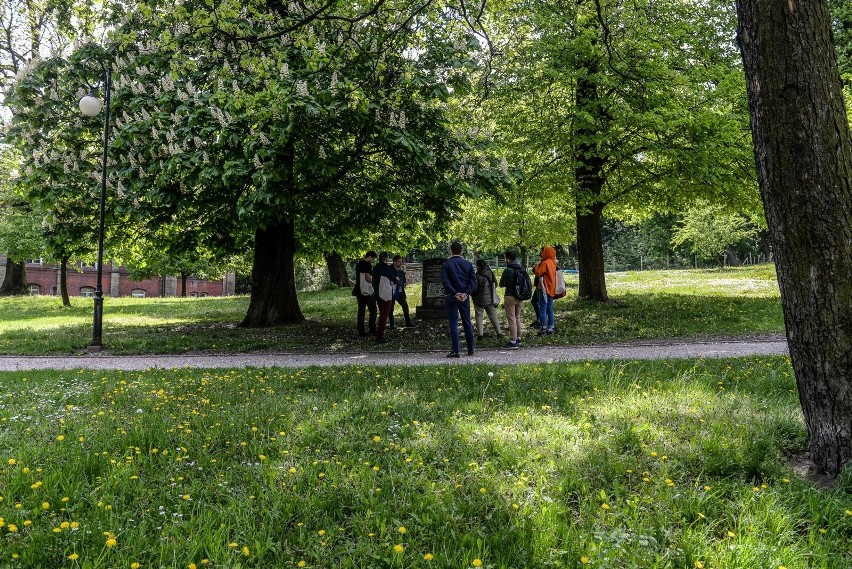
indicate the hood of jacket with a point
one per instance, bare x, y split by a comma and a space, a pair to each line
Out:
548, 253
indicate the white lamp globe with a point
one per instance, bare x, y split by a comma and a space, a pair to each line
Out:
90, 106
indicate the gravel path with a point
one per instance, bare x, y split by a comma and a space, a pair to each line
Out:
709, 348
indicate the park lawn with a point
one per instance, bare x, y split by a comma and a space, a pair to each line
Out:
664, 464
646, 305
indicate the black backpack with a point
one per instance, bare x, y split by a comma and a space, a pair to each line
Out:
522, 283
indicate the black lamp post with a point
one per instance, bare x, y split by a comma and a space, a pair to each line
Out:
91, 106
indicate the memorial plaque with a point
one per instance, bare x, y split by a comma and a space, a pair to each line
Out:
432, 302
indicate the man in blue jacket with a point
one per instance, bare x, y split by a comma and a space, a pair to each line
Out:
459, 280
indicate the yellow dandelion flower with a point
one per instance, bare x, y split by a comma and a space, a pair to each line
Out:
192, 566
731, 534
74, 557
669, 482
301, 563
75, 525
28, 523
428, 557
12, 462
699, 565
135, 565
321, 532
584, 560
60, 438
12, 528
45, 505
476, 562
377, 439
402, 529
246, 551
111, 542
398, 548
233, 545
604, 506
262, 457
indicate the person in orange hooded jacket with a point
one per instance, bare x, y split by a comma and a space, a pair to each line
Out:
546, 271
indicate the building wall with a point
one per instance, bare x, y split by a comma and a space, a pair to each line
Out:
116, 282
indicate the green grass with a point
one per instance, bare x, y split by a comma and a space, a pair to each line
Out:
647, 305
637, 464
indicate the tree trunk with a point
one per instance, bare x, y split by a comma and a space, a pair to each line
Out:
732, 257
803, 150
15, 282
183, 284
63, 282
590, 258
273, 280
337, 270
590, 181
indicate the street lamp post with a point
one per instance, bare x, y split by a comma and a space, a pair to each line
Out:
91, 106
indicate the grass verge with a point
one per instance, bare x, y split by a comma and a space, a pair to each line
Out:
647, 305
634, 464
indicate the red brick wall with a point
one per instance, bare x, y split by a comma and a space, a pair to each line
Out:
46, 277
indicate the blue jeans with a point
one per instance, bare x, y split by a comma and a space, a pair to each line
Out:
454, 308
546, 317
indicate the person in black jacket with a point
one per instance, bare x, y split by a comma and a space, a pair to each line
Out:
459, 280
363, 292
383, 269
399, 294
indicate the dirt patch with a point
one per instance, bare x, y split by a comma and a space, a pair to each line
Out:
802, 465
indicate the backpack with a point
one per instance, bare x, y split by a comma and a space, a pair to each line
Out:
561, 289
522, 284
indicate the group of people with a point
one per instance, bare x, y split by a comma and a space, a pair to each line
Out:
375, 295
461, 283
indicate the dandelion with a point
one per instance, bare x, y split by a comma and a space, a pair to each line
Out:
233, 545
45, 505
428, 557
669, 482
12, 462
12, 528
246, 551
398, 548
377, 439
73, 557
402, 529
28, 523
604, 506
321, 532
60, 438
192, 566
699, 565
584, 560
476, 562
111, 542
135, 565
301, 563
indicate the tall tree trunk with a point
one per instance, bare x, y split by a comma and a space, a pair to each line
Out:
803, 150
183, 284
273, 280
590, 182
337, 270
15, 282
63, 281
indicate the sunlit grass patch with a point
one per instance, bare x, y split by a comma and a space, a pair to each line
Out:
637, 464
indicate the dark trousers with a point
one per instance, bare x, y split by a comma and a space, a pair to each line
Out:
454, 309
366, 303
403, 303
384, 312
